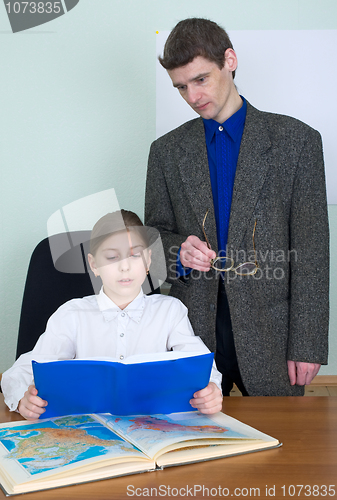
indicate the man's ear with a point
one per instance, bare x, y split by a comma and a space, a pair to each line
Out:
231, 61
92, 264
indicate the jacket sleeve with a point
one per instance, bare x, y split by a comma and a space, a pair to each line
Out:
309, 238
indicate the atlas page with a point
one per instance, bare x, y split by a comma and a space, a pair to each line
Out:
61, 451
202, 437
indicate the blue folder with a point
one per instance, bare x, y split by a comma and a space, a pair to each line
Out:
90, 386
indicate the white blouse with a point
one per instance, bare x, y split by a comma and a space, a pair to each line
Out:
96, 327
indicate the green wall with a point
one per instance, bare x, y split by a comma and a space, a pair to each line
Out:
77, 108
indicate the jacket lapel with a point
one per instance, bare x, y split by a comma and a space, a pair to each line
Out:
194, 171
250, 175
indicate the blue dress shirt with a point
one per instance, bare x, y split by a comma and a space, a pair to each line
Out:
223, 145
223, 142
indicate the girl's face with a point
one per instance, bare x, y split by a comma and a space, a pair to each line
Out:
122, 262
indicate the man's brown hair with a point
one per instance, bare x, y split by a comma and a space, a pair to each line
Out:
195, 37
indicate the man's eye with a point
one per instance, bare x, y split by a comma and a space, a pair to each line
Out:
137, 255
112, 258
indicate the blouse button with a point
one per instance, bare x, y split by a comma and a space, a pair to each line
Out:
221, 128
121, 357
121, 335
123, 314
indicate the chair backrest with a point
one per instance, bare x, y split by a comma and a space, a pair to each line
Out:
45, 291
47, 287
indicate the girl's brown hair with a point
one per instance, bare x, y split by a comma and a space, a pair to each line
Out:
120, 220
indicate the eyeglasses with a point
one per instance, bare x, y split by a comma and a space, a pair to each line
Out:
225, 264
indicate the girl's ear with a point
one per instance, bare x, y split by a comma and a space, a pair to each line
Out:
92, 264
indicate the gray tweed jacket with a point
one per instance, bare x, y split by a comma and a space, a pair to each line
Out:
282, 312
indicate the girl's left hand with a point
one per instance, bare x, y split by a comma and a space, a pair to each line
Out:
208, 400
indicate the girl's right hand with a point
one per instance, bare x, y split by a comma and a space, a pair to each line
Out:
31, 406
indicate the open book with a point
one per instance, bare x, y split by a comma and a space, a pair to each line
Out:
67, 450
139, 385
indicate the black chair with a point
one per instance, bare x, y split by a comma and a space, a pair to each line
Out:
46, 289
58, 272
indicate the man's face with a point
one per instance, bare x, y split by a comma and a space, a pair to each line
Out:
209, 90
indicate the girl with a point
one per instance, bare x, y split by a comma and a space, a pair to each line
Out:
118, 322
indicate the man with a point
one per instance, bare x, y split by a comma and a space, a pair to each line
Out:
260, 179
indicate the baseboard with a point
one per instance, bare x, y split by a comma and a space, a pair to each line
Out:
324, 380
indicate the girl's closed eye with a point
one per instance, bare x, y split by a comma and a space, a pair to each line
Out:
137, 251
136, 255
112, 257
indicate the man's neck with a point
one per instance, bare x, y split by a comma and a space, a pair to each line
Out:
234, 104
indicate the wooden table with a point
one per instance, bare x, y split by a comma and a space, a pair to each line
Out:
304, 467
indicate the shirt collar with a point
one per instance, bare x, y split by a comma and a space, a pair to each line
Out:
233, 125
110, 310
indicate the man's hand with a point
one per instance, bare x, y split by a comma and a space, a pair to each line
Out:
208, 400
31, 406
194, 253
302, 373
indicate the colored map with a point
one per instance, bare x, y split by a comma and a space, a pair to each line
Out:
151, 433
161, 425
42, 446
